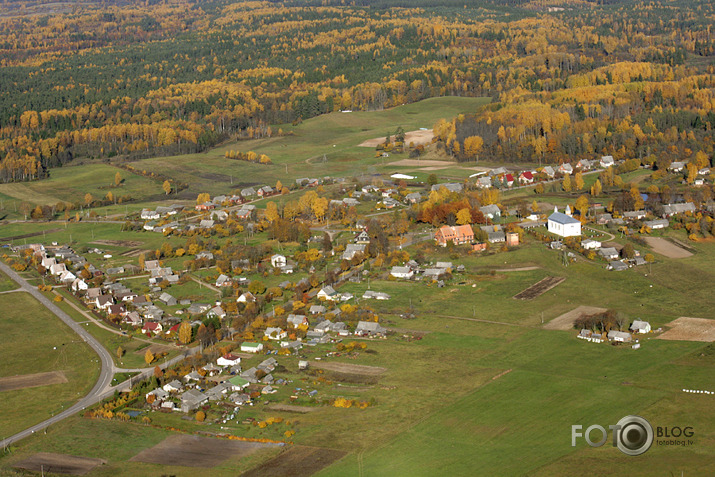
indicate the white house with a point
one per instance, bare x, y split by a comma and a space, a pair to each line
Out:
275, 333
607, 161
563, 224
619, 336
228, 360
327, 293
278, 261
590, 244
639, 326
402, 272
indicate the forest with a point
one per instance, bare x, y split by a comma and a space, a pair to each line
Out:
129, 80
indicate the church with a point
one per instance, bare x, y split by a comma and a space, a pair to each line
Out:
564, 224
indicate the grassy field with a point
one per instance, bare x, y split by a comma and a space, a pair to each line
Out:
35, 341
6, 284
300, 153
71, 183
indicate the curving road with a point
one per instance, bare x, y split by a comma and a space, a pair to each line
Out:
102, 388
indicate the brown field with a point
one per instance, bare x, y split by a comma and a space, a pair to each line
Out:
118, 243
349, 368
297, 461
666, 248
195, 451
10, 383
33, 234
135, 252
417, 137
565, 321
291, 408
58, 464
539, 288
690, 329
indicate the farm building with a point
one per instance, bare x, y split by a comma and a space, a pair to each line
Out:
639, 326
248, 347
619, 336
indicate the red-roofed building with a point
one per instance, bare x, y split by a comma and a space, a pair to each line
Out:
229, 359
457, 235
509, 180
151, 327
526, 177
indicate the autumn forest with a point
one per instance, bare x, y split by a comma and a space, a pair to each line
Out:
567, 79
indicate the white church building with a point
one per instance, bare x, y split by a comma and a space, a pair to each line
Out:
564, 224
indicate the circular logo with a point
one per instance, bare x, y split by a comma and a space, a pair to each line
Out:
635, 435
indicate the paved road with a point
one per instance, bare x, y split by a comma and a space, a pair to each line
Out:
102, 388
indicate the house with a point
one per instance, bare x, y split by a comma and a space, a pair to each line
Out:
79, 285
639, 326
115, 271
458, 234
167, 299
211, 369
619, 336
47, 262
148, 214
58, 269
590, 244
192, 376
217, 312
609, 253
275, 333
173, 387
132, 318
402, 272
369, 328
151, 327
352, 249
362, 238
602, 219
126, 296
116, 310
205, 206
153, 313
206, 224
656, 224
676, 166
509, 180
223, 281
369, 294
584, 164
490, 211
103, 302
634, 214
674, 209
413, 198
512, 239
350, 202
617, 266
563, 224
248, 347
158, 393
265, 191
549, 171
246, 298
526, 177
450, 186
607, 161
228, 359
484, 182
317, 309
205, 254
220, 215
297, 320
219, 391
238, 383
566, 168
150, 265
248, 192
496, 236
327, 293
278, 261
192, 399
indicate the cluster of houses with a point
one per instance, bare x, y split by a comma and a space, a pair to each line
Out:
412, 270
231, 381
502, 177
638, 327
